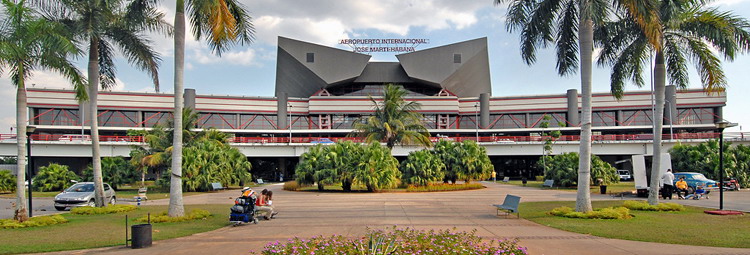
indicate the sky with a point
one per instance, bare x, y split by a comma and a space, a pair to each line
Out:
249, 70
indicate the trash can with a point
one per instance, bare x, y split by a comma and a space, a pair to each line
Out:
141, 236
603, 189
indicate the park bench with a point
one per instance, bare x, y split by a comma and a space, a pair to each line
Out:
548, 183
506, 179
217, 186
259, 181
510, 205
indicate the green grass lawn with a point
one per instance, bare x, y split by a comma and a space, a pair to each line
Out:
90, 231
612, 188
689, 227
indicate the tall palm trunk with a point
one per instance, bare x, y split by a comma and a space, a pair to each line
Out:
176, 208
658, 118
21, 213
96, 160
586, 42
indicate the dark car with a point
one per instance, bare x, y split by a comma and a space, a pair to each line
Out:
694, 180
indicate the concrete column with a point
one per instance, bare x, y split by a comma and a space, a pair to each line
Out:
573, 118
484, 110
282, 170
718, 114
618, 118
189, 97
139, 118
281, 110
670, 109
527, 120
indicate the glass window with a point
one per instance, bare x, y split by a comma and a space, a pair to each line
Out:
499, 121
343, 121
113, 118
456, 58
636, 118
151, 119
694, 116
301, 122
555, 119
467, 122
257, 121
217, 120
429, 121
604, 119
310, 57
58, 117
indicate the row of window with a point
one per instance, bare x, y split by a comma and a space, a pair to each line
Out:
111, 118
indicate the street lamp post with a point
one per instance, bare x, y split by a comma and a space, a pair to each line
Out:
721, 126
29, 164
476, 119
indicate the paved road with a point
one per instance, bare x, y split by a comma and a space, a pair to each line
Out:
306, 214
42, 206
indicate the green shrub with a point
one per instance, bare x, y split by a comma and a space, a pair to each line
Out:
539, 178
7, 181
443, 187
422, 168
53, 177
163, 217
397, 241
644, 206
291, 186
563, 169
103, 210
464, 161
621, 213
38, 221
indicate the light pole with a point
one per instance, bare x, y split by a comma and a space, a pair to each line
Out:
290, 121
476, 119
29, 163
721, 126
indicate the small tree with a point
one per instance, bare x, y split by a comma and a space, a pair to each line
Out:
422, 168
448, 153
377, 169
474, 161
7, 181
313, 167
53, 177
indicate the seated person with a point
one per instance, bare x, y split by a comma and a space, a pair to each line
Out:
681, 186
262, 205
699, 193
269, 201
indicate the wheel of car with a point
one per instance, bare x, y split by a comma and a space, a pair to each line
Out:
91, 203
691, 190
59, 208
113, 200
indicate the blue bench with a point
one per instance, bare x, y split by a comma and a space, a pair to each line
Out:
510, 205
217, 186
506, 179
548, 183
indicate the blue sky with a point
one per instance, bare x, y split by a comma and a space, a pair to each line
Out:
250, 69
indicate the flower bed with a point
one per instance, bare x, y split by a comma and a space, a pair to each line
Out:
103, 210
444, 187
163, 217
33, 222
397, 241
644, 206
621, 213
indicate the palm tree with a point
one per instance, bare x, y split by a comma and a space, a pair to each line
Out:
223, 22
569, 24
28, 42
689, 30
395, 121
103, 24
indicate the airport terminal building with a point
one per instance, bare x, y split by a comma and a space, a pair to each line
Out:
321, 90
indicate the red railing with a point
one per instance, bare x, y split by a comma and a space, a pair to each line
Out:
324, 140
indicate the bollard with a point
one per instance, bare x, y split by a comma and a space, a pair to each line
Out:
138, 199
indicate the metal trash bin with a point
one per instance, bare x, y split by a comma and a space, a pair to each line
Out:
141, 236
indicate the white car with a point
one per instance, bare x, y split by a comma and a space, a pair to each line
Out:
82, 194
624, 175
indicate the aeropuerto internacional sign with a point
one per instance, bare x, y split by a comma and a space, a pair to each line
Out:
384, 44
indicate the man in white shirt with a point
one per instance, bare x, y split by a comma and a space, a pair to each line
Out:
667, 187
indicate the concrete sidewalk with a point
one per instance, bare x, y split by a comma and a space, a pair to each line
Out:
307, 214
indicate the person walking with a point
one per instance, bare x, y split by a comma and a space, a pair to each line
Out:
668, 180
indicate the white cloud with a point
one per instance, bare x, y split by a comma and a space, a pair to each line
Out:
245, 57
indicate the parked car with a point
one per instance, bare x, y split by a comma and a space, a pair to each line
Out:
79, 138
82, 194
322, 140
695, 179
624, 175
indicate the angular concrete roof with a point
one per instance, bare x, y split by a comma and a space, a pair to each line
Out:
434, 67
